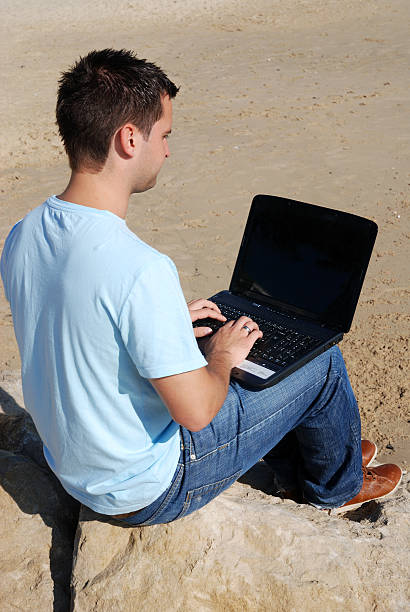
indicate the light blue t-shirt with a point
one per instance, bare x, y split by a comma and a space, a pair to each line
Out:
96, 312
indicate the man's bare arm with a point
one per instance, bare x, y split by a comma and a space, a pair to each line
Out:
194, 398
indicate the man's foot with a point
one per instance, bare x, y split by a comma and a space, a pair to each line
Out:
369, 452
378, 483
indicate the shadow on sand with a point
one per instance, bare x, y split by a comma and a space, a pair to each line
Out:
26, 477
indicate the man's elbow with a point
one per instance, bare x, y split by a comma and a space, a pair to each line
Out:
194, 420
193, 424
198, 427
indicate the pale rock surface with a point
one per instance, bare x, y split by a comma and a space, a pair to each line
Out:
248, 550
38, 522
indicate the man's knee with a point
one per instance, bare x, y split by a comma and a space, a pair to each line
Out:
337, 363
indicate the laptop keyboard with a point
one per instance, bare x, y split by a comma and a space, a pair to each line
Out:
279, 345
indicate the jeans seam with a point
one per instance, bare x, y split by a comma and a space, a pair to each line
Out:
283, 407
214, 485
209, 488
169, 495
261, 423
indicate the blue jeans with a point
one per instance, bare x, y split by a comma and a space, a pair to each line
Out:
307, 427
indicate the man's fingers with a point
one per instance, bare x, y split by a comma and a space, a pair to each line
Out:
200, 332
246, 324
243, 320
255, 335
202, 303
205, 313
214, 314
211, 305
195, 304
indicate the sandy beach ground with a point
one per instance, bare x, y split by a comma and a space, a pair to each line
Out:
301, 98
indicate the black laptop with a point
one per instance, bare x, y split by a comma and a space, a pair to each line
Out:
299, 273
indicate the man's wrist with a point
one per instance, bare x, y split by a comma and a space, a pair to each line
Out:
220, 359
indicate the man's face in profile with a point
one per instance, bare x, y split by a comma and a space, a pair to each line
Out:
154, 150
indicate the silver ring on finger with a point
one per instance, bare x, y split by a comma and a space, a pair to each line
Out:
248, 329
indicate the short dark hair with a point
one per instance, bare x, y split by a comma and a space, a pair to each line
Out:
102, 92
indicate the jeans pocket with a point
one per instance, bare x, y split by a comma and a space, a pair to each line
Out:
140, 519
168, 498
196, 498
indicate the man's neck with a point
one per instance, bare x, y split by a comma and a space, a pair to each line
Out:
97, 190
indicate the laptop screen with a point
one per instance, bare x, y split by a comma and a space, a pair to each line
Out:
305, 259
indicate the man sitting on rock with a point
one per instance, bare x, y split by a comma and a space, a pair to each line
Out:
136, 423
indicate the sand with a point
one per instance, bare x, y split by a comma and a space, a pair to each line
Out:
301, 98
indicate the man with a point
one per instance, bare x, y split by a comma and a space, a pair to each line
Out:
135, 422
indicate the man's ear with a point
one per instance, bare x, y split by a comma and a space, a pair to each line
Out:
128, 140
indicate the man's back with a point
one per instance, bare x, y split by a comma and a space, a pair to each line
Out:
84, 295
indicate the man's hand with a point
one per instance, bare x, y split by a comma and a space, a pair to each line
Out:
203, 309
233, 341
194, 398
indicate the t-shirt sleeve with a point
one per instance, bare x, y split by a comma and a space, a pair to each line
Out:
155, 324
3, 270
3, 260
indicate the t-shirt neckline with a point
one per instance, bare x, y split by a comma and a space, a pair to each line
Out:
59, 204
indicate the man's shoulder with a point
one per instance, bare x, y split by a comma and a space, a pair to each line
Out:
14, 230
98, 237
131, 240
21, 223
121, 259
140, 255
